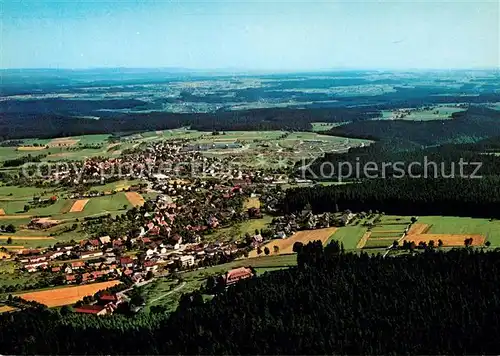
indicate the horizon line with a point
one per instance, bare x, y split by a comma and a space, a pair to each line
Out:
240, 70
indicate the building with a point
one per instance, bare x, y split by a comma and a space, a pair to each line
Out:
95, 309
187, 261
90, 254
236, 275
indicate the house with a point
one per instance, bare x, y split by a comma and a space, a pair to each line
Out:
77, 265
90, 254
70, 279
108, 298
187, 261
56, 269
126, 261
55, 254
150, 266
105, 239
96, 309
90, 245
235, 275
33, 267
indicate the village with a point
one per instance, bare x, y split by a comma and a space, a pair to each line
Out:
195, 197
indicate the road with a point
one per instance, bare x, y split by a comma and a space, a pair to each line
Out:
167, 294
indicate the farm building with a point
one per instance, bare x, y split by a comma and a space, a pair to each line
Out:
235, 275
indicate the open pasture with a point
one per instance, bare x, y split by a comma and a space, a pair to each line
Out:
68, 295
286, 245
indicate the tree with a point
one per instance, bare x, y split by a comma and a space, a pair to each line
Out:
276, 249
487, 244
124, 206
440, 243
297, 246
413, 219
431, 244
10, 228
395, 244
266, 251
149, 275
259, 250
26, 208
9, 241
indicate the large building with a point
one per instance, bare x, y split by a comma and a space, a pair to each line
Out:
237, 274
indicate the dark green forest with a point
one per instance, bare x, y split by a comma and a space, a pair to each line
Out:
432, 302
405, 196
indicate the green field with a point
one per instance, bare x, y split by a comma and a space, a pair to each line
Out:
348, 235
438, 113
325, 126
458, 225
238, 230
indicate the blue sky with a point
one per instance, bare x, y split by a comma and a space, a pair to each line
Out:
260, 35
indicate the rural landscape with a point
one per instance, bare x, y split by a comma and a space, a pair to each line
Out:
226, 178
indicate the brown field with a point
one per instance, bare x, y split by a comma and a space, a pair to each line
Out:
362, 241
448, 239
11, 217
286, 245
67, 295
31, 148
16, 237
135, 198
62, 142
252, 203
417, 229
2, 212
6, 308
78, 205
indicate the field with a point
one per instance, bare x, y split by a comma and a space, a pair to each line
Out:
134, 198
67, 295
78, 205
441, 112
448, 239
286, 245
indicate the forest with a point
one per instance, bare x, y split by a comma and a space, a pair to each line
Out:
435, 161
25, 125
404, 196
469, 126
333, 302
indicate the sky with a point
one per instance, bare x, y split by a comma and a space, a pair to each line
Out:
253, 35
